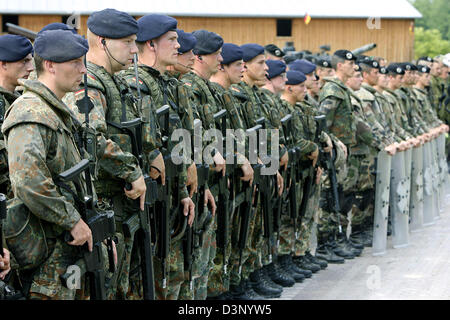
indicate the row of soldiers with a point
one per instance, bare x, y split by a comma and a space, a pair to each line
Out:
95, 180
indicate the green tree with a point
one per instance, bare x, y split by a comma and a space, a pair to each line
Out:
435, 15
429, 43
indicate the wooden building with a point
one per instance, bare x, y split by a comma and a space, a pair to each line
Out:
341, 24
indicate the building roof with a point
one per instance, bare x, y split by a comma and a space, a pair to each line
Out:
391, 9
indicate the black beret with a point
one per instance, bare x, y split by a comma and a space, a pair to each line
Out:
408, 66
303, 66
231, 53
14, 48
383, 70
276, 67
426, 59
395, 68
58, 26
251, 50
60, 45
323, 62
295, 77
362, 57
113, 24
423, 69
345, 54
274, 50
186, 40
369, 62
207, 42
153, 26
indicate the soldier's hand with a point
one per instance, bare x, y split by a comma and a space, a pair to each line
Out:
81, 233
158, 168
192, 179
209, 198
313, 156
284, 160
329, 146
138, 189
188, 209
219, 162
5, 263
280, 183
344, 148
391, 149
247, 172
446, 127
318, 175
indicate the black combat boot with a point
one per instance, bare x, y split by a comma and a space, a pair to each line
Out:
321, 263
344, 242
265, 274
340, 248
261, 287
304, 263
325, 253
307, 273
243, 291
279, 276
287, 266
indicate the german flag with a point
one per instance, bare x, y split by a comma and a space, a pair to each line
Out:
307, 18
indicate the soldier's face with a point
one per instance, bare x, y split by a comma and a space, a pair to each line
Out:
257, 68
166, 47
18, 70
424, 78
315, 87
213, 60
185, 62
435, 68
348, 68
310, 77
383, 81
122, 50
355, 82
235, 71
69, 74
299, 91
396, 80
279, 83
373, 76
444, 72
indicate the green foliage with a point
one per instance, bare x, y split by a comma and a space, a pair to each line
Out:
429, 43
435, 14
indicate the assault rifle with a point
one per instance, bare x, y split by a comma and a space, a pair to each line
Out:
102, 224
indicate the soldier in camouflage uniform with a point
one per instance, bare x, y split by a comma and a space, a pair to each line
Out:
371, 139
335, 103
40, 131
253, 108
208, 57
17, 64
324, 70
229, 73
112, 47
158, 49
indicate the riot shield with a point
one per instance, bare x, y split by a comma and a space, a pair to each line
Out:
399, 204
416, 201
443, 170
436, 181
428, 196
381, 210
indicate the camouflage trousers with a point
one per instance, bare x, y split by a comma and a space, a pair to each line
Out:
175, 274
257, 245
302, 243
46, 283
202, 264
286, 235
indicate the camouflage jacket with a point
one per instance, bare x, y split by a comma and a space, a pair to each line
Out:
401, 118
6, 99
407, 104
335, 104
368, 135
39, 130
254, 107
113, 103
389, 115
429, 114
163, 89
435, 91
374, 114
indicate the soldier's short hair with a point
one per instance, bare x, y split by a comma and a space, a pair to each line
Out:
38, 64
335, 60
